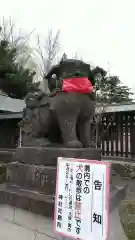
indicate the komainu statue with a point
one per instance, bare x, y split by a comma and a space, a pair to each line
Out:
62, 117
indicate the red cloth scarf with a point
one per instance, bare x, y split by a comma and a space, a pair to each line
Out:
77, 85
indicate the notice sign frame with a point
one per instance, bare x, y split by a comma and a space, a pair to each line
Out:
82, 199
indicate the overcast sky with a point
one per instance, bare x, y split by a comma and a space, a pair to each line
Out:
101, 31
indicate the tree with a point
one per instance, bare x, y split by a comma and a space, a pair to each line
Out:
47, 56
48, 53
24, 53
15, 79
109, 89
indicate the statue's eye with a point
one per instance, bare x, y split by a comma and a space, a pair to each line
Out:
54, 76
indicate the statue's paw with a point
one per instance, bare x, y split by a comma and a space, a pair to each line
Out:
47, 143
74, 144
92, 145
87, 146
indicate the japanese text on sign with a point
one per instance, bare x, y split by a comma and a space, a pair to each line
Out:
81, 201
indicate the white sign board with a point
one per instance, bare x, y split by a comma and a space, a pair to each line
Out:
82, 199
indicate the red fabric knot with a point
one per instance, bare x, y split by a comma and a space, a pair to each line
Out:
77, 85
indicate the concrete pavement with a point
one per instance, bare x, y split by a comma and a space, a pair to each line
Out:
18, 224
116, 231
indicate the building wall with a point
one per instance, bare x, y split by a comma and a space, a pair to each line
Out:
9, 133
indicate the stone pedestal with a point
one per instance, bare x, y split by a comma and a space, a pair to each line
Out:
48, 156
31, 178
32, 187
34, 177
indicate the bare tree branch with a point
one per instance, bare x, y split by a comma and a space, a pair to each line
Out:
49, 51
52, 45
11, 30
41, 56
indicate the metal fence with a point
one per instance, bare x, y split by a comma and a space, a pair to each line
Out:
117, 134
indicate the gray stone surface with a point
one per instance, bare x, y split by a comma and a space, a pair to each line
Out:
10, 231
40, 178
116, 231
117, 195
27, 200
43, 204
6, 155
18, 224
49, 155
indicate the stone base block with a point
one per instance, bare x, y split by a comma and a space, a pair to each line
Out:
34, 177
28, 200
48, 156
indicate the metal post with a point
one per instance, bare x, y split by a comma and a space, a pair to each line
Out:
20, 137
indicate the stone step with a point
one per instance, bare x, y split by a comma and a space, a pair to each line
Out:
44, 204
28, 200
39, 178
